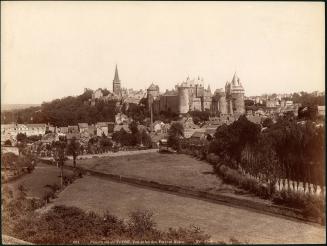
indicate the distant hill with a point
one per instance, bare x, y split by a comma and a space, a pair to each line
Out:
9, 107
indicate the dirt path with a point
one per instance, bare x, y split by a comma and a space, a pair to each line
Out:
220, 221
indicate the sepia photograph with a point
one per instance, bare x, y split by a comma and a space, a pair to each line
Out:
144, 122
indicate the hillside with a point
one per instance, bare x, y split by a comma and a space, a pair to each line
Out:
62, 112
10, 107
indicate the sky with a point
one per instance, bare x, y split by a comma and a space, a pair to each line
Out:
52, 49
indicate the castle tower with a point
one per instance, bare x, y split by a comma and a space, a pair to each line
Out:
219, 102
116, 86
222, 103
152, 93
183, 99
235, 96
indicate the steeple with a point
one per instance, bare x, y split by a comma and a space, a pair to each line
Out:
116, 87
116, 79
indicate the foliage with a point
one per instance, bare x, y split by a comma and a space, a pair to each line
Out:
21, 137
307, 99
308, 112
288, 153
8, 160
212, 158
232, 176
7, 143
166, 116
267, 122
286, 150
65, 111
175, 133
137, 112
18, 163
199, 116
34, 138
146, 139
134, 138
73, 148
230, 140
65, 225
312, 205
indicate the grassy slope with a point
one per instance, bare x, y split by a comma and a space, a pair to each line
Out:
34, 182
181, 170
220, 221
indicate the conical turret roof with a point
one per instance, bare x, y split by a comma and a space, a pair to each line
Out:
235, 79
153, 87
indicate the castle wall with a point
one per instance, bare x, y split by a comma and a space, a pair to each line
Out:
196, 104
207, 101
169, 103
199, 91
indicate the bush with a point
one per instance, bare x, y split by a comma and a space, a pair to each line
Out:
64, 225
188, 235
54, 187
310, 205
47, 195
212, 158
232, 176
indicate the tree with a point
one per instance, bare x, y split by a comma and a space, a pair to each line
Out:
267, 122
73, 149
199, 116
8, 142
146, 139
105, 143
135, 134
34, 138
175, 133
21, 137
60, 157
308, 113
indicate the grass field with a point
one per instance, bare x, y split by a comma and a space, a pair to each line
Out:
220, 221
172, 169
34, 182
181, 170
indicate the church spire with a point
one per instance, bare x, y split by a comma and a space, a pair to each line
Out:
116, 79
116, 87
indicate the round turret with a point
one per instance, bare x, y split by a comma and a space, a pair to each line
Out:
183, 100
220, 98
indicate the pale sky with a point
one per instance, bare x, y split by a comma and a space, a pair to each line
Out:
54, 49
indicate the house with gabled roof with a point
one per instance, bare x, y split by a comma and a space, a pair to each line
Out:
83, 127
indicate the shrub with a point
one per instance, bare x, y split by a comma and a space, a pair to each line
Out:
54, 187
188, 235
47, 195
212, 158
141, 225
64, 225
310, 205
235, 177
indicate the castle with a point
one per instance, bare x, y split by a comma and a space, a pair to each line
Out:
190, 95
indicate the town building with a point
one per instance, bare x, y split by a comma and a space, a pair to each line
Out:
321, 110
